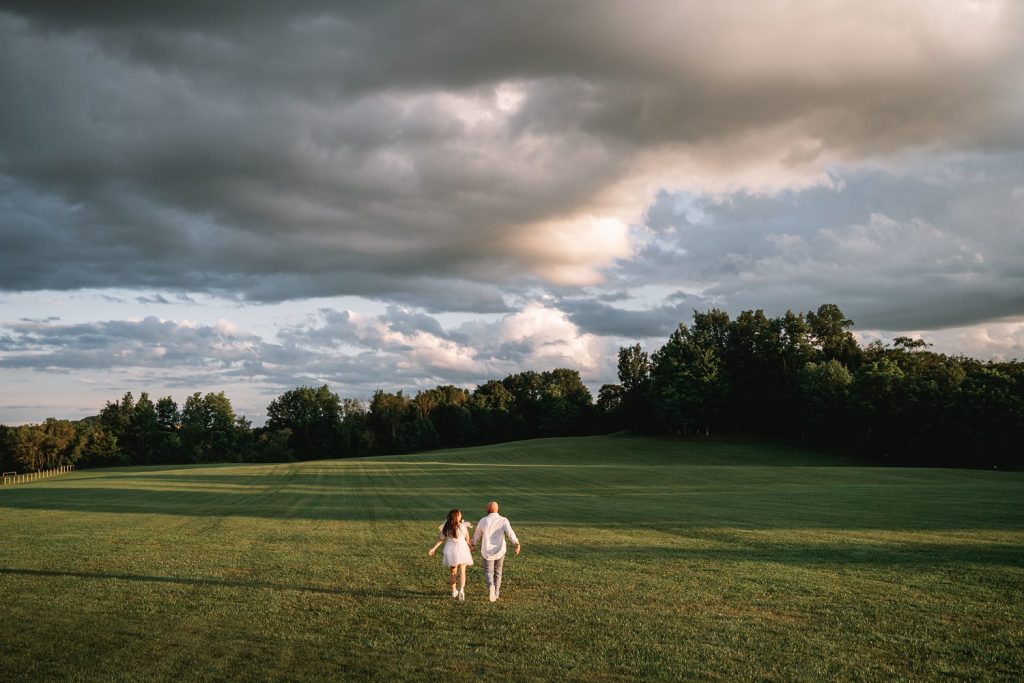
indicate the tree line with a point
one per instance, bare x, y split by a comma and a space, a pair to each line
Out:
799, 376
306, 423
805, 377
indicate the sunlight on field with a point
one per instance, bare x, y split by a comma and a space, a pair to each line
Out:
642, 558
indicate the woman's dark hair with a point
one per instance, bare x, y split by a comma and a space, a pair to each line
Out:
451, 525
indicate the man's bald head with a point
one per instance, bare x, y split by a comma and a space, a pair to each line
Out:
492, 507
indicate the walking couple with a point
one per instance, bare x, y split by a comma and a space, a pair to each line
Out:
458, 549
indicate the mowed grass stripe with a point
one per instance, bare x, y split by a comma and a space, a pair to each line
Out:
645, 558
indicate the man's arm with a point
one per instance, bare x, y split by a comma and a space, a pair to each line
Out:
512, 536
477, 533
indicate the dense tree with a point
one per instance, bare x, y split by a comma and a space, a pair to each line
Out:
610, 408
454, 425
356, 437
825, 390
876, 401
52, 444
805, 376
398, 425
490, 407
274, 445
930, 388
712, 329
492, 395
168, 419
754, 362
98, 447
7, 462
116, 419
688, 383
415, 433
526, 389
830, 330
445, 395
208, 431
989, 412
636, 404
144, 436
29, 448
314, 417
445, 407
634, 369
387, 412
565, 406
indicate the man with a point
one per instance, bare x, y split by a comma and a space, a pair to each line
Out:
490, 538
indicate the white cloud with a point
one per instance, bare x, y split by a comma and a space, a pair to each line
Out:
552, 340
430, 354
1002, 341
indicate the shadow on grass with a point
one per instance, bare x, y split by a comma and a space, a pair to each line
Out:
808, 555
220, 583
263, 502
557, 503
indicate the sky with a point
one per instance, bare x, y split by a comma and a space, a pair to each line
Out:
253, 196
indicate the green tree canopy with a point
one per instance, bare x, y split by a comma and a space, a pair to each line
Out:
314, 417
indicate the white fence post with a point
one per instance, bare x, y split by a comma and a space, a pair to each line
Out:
15, 478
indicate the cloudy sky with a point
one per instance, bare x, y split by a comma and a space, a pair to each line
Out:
251, 196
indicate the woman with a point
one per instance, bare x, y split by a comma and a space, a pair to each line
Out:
457, 554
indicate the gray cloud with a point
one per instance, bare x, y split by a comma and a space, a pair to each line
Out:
400, 349
160, 299
601, 319
149, 343
274, 152
928, 247
410, 322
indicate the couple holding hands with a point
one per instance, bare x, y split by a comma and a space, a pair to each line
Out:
489, 536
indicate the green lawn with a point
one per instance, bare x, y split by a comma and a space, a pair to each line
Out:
642, 558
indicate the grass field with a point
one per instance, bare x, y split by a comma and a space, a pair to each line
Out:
642, 558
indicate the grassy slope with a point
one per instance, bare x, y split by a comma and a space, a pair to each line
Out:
643, 558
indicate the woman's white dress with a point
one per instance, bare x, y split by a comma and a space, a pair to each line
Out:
456, 550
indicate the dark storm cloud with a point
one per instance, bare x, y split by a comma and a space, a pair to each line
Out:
601, 319
417, 152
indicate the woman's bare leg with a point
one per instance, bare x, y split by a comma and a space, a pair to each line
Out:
461, 593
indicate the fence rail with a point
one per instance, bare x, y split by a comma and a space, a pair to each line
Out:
15, 478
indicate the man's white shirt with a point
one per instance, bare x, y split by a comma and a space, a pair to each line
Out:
490, 536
